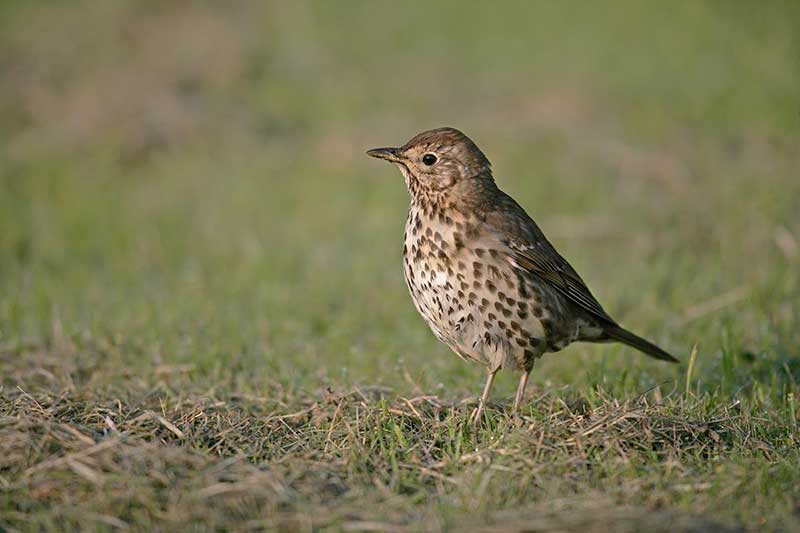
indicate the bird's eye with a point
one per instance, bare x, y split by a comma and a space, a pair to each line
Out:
429, 159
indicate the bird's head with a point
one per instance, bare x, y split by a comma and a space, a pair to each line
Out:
436, 160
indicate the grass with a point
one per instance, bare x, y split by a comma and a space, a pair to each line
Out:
360, 460
203, 321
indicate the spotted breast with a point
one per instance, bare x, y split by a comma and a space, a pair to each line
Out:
472, 297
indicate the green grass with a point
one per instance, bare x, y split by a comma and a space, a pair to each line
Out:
202, 315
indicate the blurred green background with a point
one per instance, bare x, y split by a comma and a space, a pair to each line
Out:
185, 183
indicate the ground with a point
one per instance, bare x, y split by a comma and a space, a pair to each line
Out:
203, 321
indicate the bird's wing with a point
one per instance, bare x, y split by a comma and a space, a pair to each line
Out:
553, 269
530, 251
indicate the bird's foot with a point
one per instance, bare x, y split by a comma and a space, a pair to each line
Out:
477, 416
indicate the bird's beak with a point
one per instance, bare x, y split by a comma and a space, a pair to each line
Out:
389, 154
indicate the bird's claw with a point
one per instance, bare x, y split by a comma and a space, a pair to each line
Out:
476, 417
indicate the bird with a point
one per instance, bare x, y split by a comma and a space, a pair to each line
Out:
480, 271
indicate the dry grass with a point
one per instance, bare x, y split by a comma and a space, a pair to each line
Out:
153, 456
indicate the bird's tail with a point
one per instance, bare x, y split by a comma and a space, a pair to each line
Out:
626, 337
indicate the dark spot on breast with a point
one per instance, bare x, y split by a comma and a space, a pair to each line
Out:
493, 253
515, 325
479, 252
487, 325
437, 236
428, 231
520, 341
522, 314
502, 324
491, 286
538, 312
461, 265
506, 312
476, 284
523, 292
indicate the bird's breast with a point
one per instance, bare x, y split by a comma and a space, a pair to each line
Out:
427, 257
473, 298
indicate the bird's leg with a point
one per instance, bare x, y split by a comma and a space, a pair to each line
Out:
478, 413
523, 382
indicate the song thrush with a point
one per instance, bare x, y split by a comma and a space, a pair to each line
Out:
481, 272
